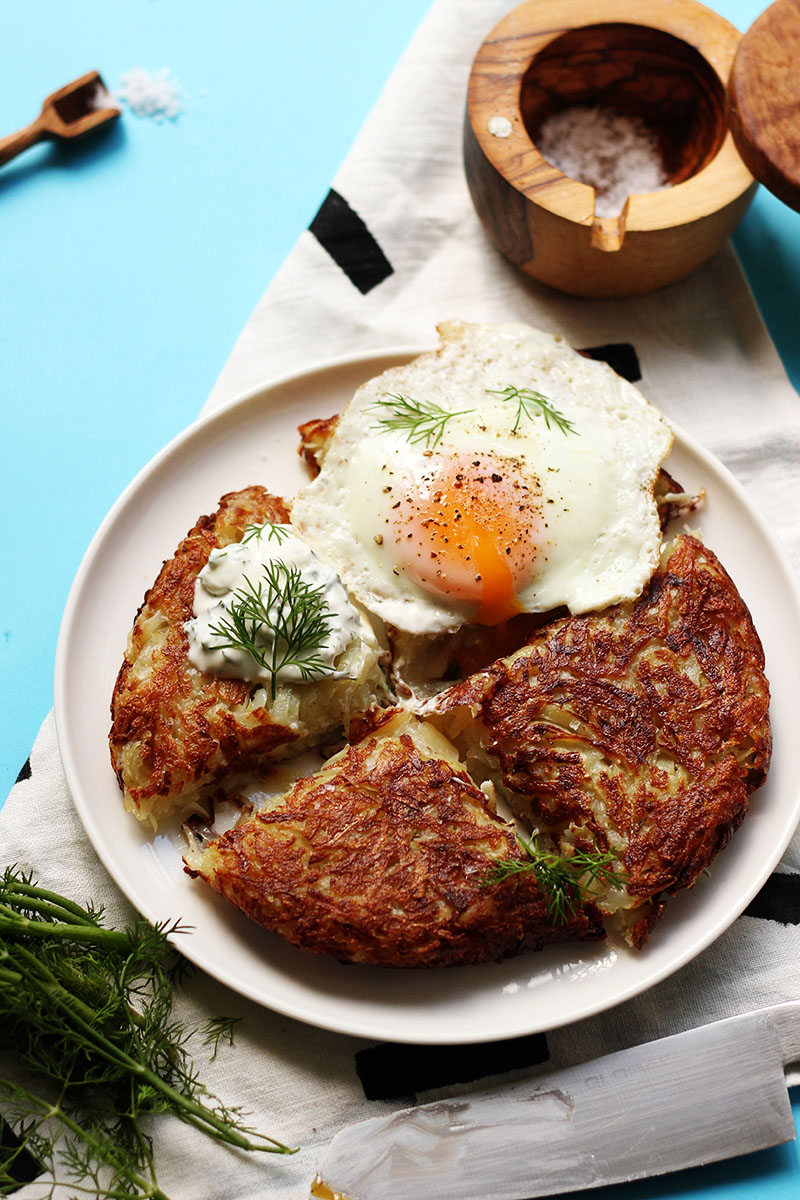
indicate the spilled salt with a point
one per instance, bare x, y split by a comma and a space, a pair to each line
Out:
615, 154
146, 95
101, 98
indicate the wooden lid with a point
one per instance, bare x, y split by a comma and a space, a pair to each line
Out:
764, 100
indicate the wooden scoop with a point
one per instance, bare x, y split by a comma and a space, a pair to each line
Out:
68, 113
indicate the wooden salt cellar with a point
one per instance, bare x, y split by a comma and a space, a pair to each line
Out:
667, 62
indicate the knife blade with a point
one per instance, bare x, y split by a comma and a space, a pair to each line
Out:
692, 1098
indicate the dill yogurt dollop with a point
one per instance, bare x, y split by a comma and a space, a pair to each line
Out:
267, 610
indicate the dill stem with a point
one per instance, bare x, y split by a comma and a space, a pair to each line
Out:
145, 1145
30, 889
94, 935
45, 907
9, 976
273, 667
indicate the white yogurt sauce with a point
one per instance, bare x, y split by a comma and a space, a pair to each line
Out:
223, 581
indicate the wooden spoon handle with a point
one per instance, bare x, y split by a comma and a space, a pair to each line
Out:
15, 143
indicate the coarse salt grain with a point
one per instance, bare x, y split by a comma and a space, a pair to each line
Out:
615, 154
147, 95
500, 127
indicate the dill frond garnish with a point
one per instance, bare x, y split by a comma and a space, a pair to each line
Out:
87, 1026
282, 621
530, 403
564, 878
275, 533
420, 420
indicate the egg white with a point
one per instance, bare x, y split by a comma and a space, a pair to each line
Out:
595, 525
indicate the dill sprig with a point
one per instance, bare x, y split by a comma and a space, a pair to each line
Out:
217, 1030
275, 533
85, 1013
531, 403
419, 420
564, 878
282, 621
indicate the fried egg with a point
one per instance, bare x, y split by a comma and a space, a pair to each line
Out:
502, 473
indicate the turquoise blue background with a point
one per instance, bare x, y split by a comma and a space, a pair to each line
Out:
128, 268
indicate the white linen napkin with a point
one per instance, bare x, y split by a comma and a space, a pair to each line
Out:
395, 248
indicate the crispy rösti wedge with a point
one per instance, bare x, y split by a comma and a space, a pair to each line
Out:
385, 857
176, 730
641, 730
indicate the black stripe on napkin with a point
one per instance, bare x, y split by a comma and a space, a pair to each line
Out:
19, 1164
620, 356
341, 232
25, 771
389, 1070
778, 900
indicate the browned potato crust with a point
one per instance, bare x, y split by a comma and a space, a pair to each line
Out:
641, 730
314, 438
382, 858
176, 730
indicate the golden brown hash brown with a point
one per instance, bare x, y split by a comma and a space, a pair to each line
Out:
173, 728
177, 730
383, 858
641, 730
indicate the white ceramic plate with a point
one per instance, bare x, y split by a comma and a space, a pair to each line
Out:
254, 440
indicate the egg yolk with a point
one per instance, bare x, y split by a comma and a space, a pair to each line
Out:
468, 530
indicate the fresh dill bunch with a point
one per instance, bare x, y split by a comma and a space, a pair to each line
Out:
275, 533
420, 420
281, 621
530, 403
86, 1020
564, 878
